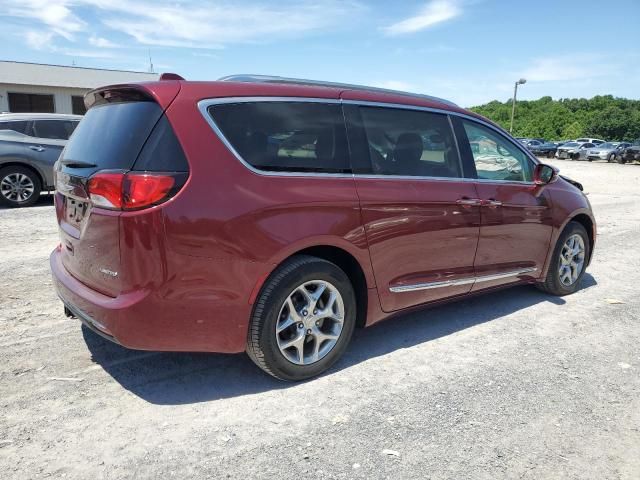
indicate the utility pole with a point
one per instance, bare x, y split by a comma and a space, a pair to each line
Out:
522, 81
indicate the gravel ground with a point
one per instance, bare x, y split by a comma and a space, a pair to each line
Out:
515, 384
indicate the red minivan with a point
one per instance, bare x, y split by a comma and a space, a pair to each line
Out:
274, 215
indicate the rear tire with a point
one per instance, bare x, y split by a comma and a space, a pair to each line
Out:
19, 186
562, 278
293, 335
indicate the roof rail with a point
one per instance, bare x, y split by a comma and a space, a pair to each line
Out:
250, 78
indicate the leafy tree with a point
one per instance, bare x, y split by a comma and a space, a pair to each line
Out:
603, 116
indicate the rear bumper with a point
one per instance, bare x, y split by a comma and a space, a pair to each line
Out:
146, 319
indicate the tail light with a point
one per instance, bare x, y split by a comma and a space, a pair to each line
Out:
133, 190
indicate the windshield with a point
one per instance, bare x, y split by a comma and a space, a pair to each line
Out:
608, 145
571, 144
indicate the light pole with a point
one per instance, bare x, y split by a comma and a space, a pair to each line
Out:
522, 81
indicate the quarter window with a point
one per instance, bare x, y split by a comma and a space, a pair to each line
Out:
495, 157
410, 143
286, 136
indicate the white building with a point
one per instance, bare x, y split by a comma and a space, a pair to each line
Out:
34, 87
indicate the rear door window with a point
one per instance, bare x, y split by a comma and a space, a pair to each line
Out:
286, 136
54, 129
410, 143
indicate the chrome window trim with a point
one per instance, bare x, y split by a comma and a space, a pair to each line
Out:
461, 281
203, 106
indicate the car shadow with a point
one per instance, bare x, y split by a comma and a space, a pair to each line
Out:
184, 378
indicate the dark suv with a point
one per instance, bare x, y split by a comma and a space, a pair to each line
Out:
30, 143
275, 215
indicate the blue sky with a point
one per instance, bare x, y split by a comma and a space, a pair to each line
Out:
469, 51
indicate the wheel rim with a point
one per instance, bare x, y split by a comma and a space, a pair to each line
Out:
310, 322
571, 260
17, 187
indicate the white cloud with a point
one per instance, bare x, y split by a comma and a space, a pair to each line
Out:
101, 42
54, 14
433, 13
196, 25
565, 68
189, 23
38, 40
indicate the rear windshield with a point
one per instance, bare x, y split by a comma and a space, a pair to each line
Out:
110, 136
286, 136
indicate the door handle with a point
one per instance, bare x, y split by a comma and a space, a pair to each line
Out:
491, 203
37, 148
470, 202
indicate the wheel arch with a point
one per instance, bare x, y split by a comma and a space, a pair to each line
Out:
587, 222
17, 163
342, 256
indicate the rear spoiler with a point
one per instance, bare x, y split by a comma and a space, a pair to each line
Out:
163, 93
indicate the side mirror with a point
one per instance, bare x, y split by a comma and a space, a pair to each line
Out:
544, 174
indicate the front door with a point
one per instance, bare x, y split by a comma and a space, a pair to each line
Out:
516, 225
421, 217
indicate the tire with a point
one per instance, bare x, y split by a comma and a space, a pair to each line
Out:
283, 290
28, 182
551, 154
611, 158
554, 283
621, 160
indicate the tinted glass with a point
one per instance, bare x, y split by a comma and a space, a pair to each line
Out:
111, 136
17, 126
410, 143
286, 136
54, 129
495, 157
162, 152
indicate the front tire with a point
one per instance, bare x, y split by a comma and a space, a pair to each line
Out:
303, 319
568, 264
611, 158
19, 186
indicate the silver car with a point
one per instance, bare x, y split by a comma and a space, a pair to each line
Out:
574, 150
30, 143
606, 151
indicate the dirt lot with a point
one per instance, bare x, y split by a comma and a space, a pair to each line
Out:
515, 384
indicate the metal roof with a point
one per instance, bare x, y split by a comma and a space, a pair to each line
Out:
250, 78
23, 73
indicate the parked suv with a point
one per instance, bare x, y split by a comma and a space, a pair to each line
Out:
30, 143
274, 215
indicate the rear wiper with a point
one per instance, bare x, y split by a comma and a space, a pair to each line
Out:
77, 164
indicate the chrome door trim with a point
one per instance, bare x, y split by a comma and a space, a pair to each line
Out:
461, 281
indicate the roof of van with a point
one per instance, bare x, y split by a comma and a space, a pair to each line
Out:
169, 85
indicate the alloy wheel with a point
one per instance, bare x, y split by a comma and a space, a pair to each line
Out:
572, 256
310, 322
17, 187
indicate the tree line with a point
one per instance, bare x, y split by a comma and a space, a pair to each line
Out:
606, 117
